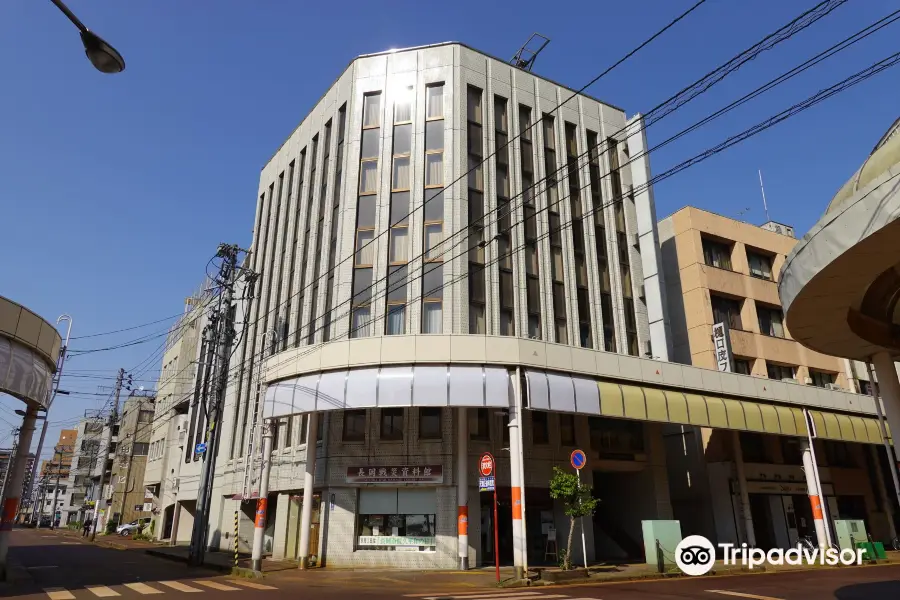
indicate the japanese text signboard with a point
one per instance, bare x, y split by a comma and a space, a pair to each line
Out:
396, 474
722, 347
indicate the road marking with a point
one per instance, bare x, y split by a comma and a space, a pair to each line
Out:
70, 543
101, 591
217, 586
177, 585
251, 584
742, 595
59, 594
143, 588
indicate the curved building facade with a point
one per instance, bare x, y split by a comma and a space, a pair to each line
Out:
29, 351
841, 285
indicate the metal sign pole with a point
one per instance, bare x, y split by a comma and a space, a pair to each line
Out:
583, 543
496, 538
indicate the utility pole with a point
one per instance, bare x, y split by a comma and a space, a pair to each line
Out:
56, 450
125, 490
103, 455
262, 503
222, 336
60, 363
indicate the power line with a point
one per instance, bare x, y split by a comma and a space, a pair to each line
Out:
811, 101
142, 325
663, 109
714, 76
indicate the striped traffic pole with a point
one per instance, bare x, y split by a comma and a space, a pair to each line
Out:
237, 521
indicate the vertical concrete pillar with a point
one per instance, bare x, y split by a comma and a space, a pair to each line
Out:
14, 484
309, 479
462, 487
515, 461
889, 451
517, 398
889, 386
742, 488
882, 491
815, 494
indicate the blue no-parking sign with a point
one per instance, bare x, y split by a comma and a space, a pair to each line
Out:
578, 459
200, 448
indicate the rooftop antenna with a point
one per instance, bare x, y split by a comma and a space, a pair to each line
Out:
524, 58
763, 190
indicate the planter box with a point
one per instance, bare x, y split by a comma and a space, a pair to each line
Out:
558, 575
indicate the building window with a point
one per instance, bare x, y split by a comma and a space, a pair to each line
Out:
716, 254
392, 424
624, 247
776, 371
838, 454
557, 272
504, 227
398, 243
585, 337
753, 447
397, 519
609, 330
354, 426
478, 424
532, 258
430, 423
566, 429
791, 452
540, 429
726, 310
865, 387
771, 320
760, 265
304, 208
432, 270
475, 145
615, 437
744, 366
361, 312
821, 378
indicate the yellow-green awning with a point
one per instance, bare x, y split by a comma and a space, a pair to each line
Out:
847, 428
647, 403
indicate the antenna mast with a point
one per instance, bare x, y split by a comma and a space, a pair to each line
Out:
763, 190
524, 58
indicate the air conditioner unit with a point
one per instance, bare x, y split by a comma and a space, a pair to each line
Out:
807, 380
833, 387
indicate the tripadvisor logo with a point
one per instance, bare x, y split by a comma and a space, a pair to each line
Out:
695, 555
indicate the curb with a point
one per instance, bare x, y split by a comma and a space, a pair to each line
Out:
184, 560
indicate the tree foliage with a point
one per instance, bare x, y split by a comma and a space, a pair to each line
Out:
577, 502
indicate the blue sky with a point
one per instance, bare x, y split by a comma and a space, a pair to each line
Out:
116, 189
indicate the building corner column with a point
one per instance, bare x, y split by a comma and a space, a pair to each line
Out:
462, 487
889, 386
14, 484
750, 532
309, 478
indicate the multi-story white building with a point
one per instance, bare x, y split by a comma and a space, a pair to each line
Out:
428, 293
93, 440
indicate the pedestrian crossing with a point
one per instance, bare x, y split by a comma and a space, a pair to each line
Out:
151, 588
511, 594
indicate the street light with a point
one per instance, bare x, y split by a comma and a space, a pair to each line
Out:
104, 57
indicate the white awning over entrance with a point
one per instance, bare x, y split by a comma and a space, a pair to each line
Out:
431, 385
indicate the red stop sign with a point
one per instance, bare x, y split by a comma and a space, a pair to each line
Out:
486, 465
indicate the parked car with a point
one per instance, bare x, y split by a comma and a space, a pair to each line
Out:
127, 529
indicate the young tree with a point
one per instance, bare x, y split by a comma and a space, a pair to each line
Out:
578, 502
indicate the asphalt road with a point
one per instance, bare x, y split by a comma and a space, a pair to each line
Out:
63, 568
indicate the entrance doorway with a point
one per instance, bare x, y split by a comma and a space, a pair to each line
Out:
504, 522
